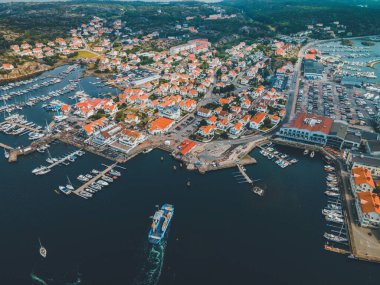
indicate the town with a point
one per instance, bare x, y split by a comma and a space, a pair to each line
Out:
209, 107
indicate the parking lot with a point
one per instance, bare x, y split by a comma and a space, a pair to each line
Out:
333, 100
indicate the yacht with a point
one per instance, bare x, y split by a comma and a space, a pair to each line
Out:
332, 194
334, 237
115, 172
312, 154
38, 169
107, 178
82, 178
43, 171
102, 182
94, 171
96, 186
64, 190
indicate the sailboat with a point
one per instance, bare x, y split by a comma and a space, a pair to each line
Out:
43, 251
6, 154
69, 186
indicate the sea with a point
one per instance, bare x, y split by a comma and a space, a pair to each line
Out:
221, 232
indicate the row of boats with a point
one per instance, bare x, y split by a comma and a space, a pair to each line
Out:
18, 125
31, 101
281, 159
333, 212
53, 161
95, 186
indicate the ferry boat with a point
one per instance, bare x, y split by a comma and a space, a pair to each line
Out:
161, 221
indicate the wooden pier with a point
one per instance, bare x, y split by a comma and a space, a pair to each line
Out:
92, 180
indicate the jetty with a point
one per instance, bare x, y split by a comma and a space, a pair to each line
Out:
7, 147
92, 180
244, 174
63, 159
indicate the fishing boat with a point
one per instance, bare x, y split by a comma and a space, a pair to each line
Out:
161, 222
43, 251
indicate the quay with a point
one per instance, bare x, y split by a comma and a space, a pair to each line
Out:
92, 180
363, 243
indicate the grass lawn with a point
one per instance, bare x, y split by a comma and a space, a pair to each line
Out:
86, 54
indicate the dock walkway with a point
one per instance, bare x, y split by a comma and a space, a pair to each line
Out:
245, 175
62, 159
92, 180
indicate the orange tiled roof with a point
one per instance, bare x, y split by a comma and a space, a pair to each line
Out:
369, 202
362, 176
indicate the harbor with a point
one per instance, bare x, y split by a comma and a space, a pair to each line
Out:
77, 193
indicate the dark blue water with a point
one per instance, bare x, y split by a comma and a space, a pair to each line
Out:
221, 233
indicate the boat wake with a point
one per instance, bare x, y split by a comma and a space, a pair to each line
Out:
151, 270
37, 279
41, 281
